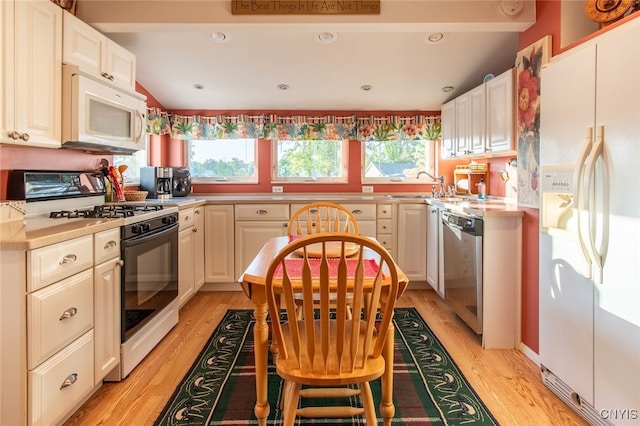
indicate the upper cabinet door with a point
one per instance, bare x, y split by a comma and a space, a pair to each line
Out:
95, 54
500, 94
448, 119
32, 73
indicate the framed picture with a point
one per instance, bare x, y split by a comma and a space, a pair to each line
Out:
529, 62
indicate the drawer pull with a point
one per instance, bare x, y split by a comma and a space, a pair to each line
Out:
68, 313
110, 244
313, 211
261, 211
70, 258
357, 211
71, 379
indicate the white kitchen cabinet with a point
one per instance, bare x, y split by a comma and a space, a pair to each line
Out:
106, 297
448, 134
254, 225
433, 251
31, 73
412, 240
61, 382
219, 244
477, 121
186, 257
365, 214
481, 122
385, 229
95, 54
198, 247
462, 141
500, 121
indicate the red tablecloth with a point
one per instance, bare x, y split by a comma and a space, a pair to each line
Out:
294, 267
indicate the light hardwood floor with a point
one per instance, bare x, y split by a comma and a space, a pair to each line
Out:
506, 380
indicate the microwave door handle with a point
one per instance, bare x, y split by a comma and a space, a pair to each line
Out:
580, 198
140, 121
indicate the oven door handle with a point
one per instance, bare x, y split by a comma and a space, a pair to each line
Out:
146, 237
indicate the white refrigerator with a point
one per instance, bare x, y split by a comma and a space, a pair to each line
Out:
590, 227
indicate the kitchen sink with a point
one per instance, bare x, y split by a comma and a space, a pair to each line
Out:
407, 197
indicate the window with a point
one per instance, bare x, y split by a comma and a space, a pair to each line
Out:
397, 160
133, 162
223, 160
320, 161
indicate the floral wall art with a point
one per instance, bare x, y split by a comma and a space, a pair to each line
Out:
529, 62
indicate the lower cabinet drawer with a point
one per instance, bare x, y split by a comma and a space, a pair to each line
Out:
57, 315
60, 383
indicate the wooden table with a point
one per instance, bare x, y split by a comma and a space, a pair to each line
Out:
253, 284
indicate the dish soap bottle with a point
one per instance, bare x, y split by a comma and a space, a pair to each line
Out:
482, 190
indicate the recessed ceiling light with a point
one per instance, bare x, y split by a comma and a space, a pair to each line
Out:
447, 89
366, 87
433, 37
199, 86
326, 37
220, 37
283, 86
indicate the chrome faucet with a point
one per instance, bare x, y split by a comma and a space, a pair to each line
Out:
440, 179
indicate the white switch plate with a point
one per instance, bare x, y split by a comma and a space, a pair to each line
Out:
276, 189
367, 189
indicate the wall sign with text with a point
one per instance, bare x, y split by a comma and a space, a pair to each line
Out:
305, 7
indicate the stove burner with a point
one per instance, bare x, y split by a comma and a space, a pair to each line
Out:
106, 211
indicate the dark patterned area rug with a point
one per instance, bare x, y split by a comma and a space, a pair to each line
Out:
219, 389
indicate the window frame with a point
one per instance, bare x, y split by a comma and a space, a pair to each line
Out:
222, 180
431, 167
344, 146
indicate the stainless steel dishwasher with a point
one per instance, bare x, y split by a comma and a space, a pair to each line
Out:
462, 263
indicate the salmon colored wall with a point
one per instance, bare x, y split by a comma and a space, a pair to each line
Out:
547, 23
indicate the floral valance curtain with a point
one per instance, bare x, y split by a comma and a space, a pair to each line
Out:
328, 127
217, 127
389, 128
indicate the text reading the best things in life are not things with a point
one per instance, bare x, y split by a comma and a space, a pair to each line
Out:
305, 7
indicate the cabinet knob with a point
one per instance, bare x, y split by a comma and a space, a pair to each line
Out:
195, 229
14, 135
68, 313
197, 211
24, 137
70, 258
71, 379
120, 263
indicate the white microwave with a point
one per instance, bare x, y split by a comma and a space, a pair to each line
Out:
100, 117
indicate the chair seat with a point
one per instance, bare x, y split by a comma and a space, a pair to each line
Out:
290, 370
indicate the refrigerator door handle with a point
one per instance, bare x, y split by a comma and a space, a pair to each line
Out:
580, 198
597, 255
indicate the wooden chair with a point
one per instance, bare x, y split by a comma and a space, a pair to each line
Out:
322, 217
325, 349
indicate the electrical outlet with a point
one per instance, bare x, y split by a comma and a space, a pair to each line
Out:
367, 189
276, 189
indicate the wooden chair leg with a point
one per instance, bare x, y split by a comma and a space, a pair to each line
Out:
291, 404
368, 404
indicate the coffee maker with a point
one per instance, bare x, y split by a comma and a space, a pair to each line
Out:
157, 181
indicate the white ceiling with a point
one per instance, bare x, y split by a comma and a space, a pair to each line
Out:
405, 71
